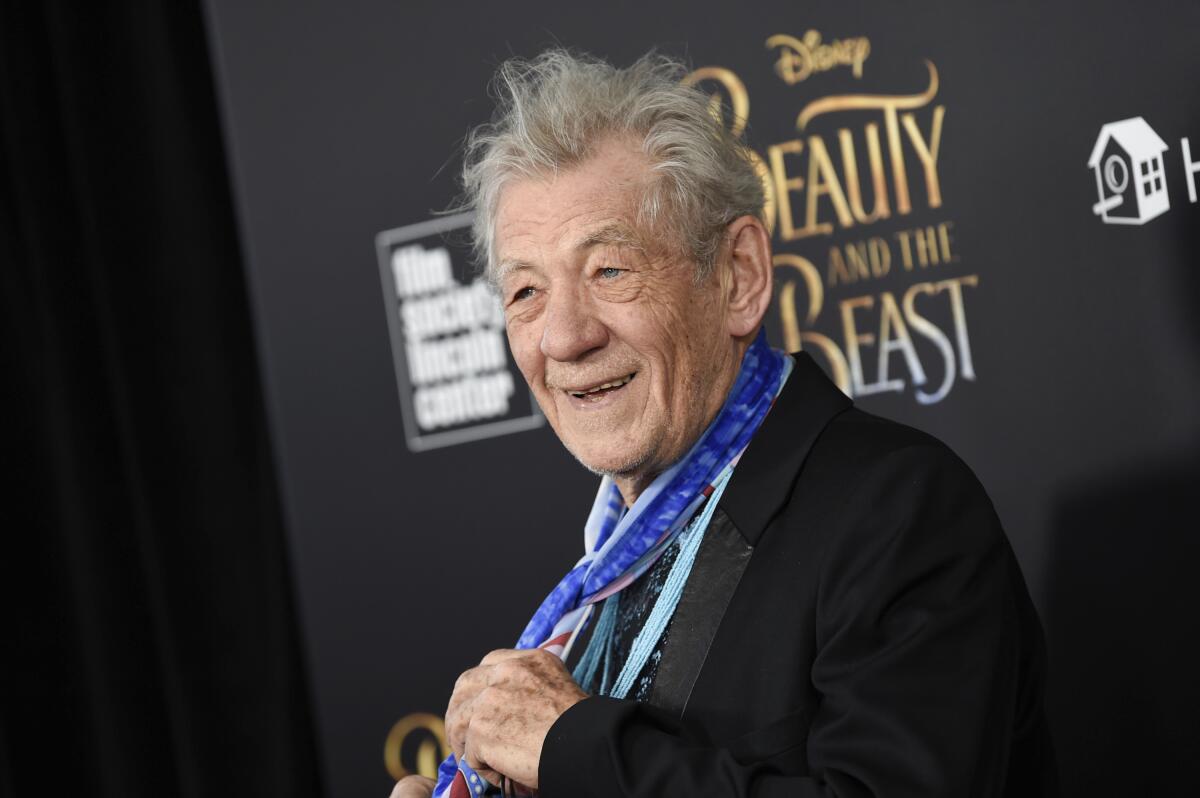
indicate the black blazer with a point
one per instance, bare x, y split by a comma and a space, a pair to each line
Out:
855, 625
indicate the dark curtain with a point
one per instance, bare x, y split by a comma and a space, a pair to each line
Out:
150, 645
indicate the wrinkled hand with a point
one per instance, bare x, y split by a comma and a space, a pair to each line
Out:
501, 710
413, 787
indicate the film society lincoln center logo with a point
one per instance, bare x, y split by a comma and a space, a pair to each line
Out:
456, 378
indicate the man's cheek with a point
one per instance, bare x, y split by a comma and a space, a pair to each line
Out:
525, 346
630, 288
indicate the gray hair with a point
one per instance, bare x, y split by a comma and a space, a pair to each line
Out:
554, 110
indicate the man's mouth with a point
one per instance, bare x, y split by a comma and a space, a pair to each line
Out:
603, 388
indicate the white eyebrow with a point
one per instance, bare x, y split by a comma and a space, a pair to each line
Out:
614, 234
508, 266
618, 234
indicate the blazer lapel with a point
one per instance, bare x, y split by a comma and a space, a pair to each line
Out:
763, 480
759, 488
723, 556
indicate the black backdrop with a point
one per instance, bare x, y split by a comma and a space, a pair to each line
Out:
155, 639
149, 637
343, 121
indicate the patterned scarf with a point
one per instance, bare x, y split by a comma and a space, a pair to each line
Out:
620, 547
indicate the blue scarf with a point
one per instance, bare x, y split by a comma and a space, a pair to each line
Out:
620, 547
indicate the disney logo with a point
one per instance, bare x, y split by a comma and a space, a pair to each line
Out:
799, 58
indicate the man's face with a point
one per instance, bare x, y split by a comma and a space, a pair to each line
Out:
628, 357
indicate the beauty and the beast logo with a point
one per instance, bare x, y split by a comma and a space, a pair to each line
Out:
880, 298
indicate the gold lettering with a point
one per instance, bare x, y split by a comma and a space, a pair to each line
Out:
881, 256
878, 181
944, 240
764, 174
905, 252
795, 63
787, 316
834, 356
857, 259
427, 758
787, 297
429, 751
799, 58
928, 153
797, 340
927, 250
837, 271
896, 154
865, 102
890, 106
739, 99
783, 185
823, 180
932, 245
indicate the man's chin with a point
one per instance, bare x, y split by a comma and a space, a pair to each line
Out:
604, 461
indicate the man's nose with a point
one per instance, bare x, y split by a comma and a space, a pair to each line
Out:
572, 329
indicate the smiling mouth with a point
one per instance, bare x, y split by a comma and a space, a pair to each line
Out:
604, 388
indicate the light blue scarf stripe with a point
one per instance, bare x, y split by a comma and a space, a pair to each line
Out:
661, 614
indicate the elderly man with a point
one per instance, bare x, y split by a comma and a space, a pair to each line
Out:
780, 594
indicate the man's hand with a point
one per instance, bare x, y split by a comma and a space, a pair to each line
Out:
501, 711
414, 787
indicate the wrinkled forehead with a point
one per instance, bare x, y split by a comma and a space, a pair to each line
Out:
529, 243
595, 203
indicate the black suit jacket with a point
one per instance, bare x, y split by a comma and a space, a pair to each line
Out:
855, 625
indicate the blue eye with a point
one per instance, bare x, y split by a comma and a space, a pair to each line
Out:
610, 272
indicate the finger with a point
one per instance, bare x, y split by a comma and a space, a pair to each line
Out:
475, 736
413, 787
502, 654
459, 711
467, 687
535, 666
471, 679
489, 775
480, 767
458, 720
470, 755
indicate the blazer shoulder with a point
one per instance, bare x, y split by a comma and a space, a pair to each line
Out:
867, 477
865, 443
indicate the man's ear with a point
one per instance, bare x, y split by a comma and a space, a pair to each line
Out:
749, 276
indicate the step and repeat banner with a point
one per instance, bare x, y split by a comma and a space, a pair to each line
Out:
985, 225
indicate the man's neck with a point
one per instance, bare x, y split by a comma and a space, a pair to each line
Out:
633, 484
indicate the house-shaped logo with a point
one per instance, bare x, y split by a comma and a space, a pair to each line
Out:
1128, 162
